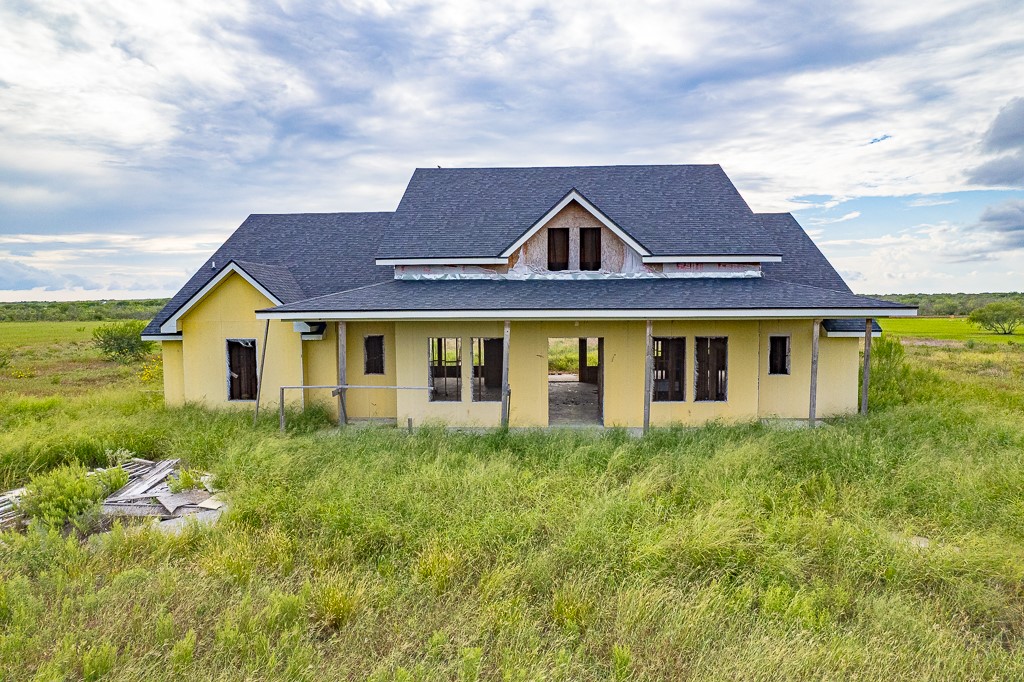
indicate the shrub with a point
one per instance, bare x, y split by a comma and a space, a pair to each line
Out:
122, 341
1002, 317
67, 492
890, 373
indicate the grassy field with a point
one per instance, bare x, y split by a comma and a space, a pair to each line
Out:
47, 358
890, 547
950, 328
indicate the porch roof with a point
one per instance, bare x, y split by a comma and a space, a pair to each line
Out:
582, 298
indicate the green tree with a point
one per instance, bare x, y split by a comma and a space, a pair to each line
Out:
1002, 318
122, 341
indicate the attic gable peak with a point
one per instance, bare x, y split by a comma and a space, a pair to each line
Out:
574, 195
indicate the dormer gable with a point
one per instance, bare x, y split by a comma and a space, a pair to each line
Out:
583, 212
575, 237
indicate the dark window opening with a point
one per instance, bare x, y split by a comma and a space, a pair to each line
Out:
488, 358
373, 355
242, 369
558, 248
590, 248
778, 355
711, 356
445, 369
669, 369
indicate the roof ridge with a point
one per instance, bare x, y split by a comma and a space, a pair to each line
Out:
614, 165
304, 213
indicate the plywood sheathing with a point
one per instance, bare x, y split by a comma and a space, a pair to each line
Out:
534, 252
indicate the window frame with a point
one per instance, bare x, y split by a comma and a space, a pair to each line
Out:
228, 372
591, 266
431, 379
551, 231
696, 369
682, 375
789, 352
383, 355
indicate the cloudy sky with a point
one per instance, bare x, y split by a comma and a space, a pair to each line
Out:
135, 136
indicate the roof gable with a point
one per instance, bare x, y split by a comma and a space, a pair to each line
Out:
580, 200
480, 212
295, 256
170, 325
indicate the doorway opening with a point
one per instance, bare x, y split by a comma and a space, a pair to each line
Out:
575, 381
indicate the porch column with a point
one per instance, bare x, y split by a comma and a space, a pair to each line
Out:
504, 375
648, 378
259, 376
342, 372
866, 381
812, 411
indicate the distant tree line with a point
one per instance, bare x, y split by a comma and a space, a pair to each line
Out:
79, 311
944, 305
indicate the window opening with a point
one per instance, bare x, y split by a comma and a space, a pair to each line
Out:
488, 356
242, 369
778, 355
445, 369
373, 354
590, 248
669, 369
558, 248
711, 366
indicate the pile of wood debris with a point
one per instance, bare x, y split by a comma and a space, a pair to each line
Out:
147, 494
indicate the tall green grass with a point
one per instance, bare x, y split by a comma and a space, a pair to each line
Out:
889, 547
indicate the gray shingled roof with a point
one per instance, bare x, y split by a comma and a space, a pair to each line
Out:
802, 261
276, 279
295, 256
669, 210
324, 262
590, 294
849, 324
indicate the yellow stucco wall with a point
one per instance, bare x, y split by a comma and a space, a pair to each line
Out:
195, 369
623, 372
174, 373
783, 395
742, 387
365, 403
320, 367
412, 369
228, 312
838, 365
788, 396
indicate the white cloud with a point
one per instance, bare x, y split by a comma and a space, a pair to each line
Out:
852, 215
152, 118
921, 202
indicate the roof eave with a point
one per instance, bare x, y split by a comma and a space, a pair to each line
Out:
576, 314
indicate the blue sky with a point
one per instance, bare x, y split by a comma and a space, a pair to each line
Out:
135, 136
